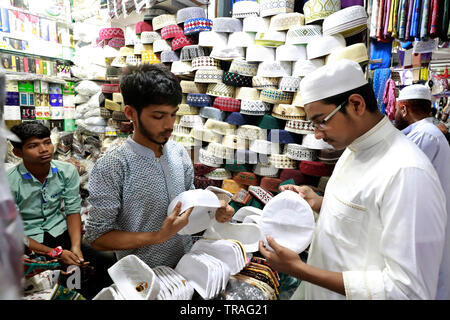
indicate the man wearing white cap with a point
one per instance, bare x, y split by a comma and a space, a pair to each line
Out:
375, 237
412, 116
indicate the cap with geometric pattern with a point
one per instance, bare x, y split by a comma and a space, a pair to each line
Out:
205, 62
284, 21
209, 76
236, 80
172, 31
193, 51
244, 9
220, 90
198, 100
288, 112
197, 25
243, 67
273, 7
227, 104
163, 20
276, 96
254, 107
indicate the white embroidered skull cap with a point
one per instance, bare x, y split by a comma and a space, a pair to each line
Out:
330, 80
204, 202
289, 219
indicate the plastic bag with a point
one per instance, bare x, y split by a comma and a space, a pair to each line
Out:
96, 121
87, 88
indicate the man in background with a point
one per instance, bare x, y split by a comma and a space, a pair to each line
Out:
412, 116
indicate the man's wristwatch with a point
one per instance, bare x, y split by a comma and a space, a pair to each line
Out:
56, 252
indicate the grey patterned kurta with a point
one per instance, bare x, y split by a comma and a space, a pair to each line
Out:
130, 190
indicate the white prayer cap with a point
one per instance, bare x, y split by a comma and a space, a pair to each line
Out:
205, 204
289, 219
415, 91
331, 80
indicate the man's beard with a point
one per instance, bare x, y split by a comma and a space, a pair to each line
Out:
400, 124
150, 136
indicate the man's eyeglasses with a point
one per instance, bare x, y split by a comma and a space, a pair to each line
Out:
321, 125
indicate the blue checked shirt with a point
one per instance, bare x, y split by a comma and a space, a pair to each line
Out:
130, 190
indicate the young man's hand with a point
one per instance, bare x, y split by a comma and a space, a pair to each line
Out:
313, 199
225, 212
69, 258
174, 223
280, 258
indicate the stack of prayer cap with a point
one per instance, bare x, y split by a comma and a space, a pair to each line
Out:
348, 21
317, 10
324, 45
243, 9
272, 7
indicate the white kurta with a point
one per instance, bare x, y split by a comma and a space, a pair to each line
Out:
382, 221
426, 135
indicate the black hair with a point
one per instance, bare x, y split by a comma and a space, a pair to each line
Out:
149, 84
27, 130
366, 91
420, 106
